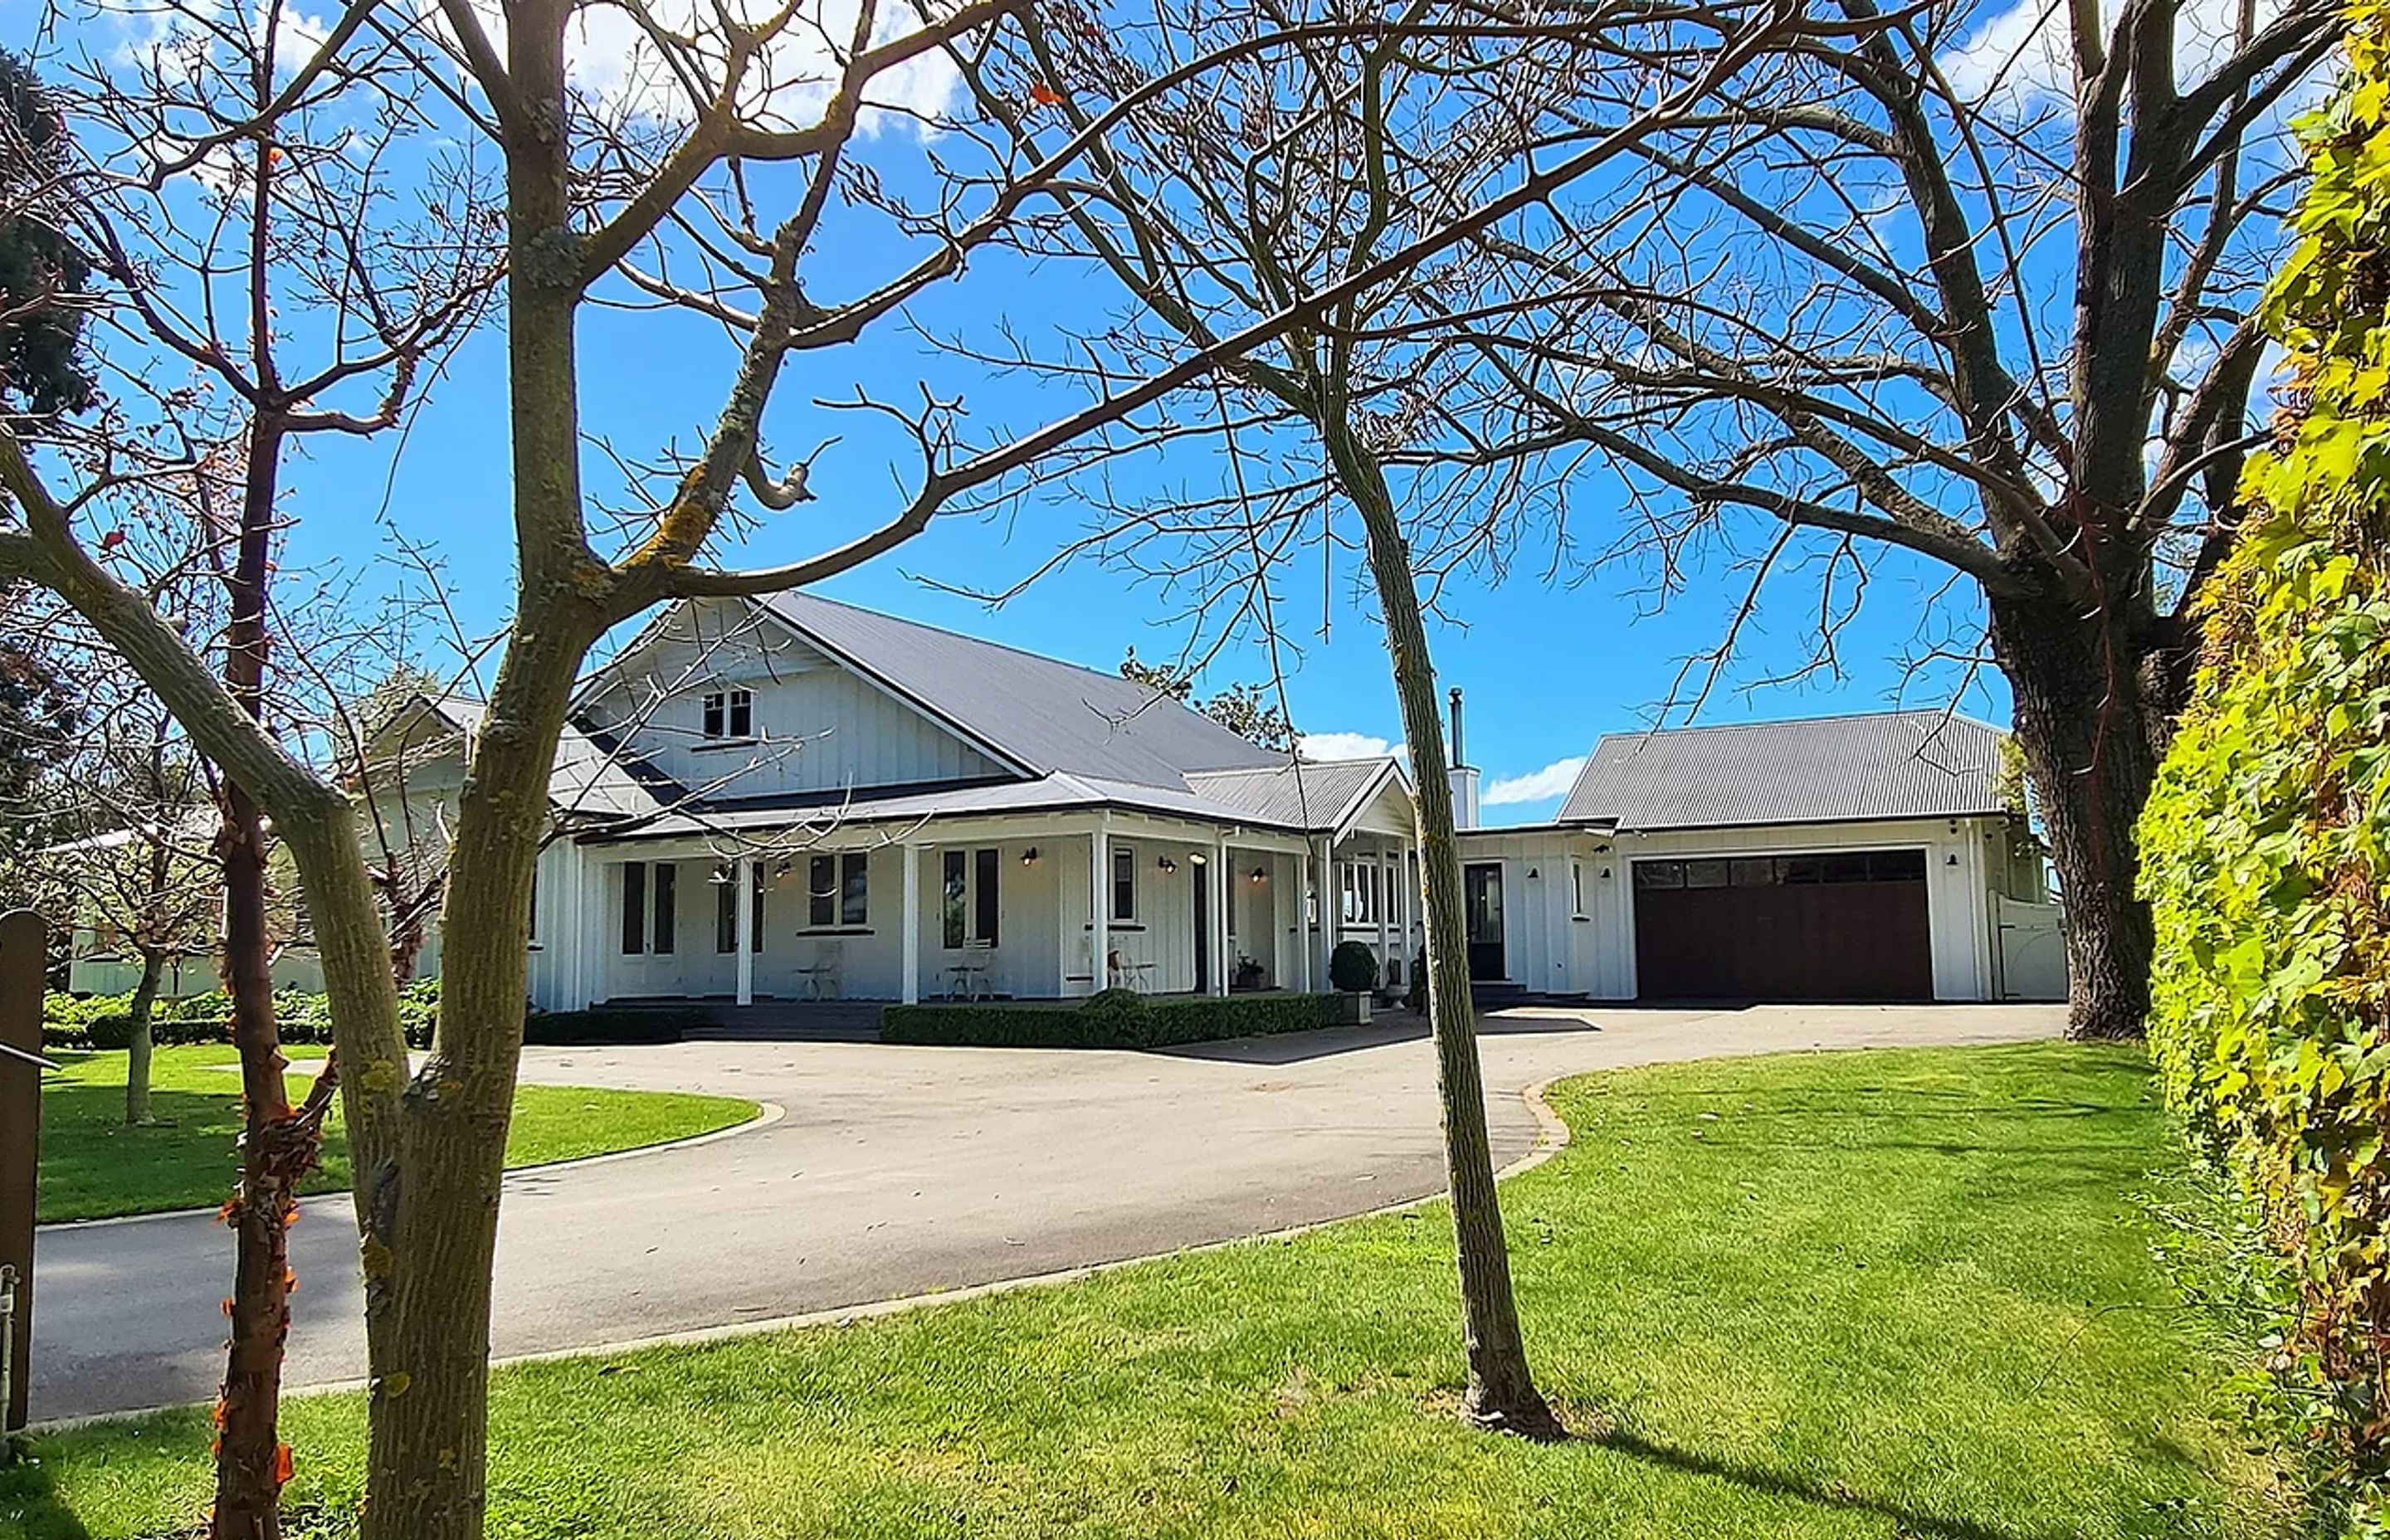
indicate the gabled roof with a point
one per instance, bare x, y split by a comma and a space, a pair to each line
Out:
1834, 769
1328, 794
1045, 715
592, 778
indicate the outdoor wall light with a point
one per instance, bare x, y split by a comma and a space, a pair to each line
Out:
1166, 864
1197, 857
1533, 874
1029, 856
1951, 859
1260, 876
1605, 874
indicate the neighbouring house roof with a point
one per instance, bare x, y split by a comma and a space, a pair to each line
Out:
1046, 715
1834, 769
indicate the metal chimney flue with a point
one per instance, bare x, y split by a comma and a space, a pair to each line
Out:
1462, 778
1460, 755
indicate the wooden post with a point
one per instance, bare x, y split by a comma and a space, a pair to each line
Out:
23, 945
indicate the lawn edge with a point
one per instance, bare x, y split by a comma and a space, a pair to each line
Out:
766, 1114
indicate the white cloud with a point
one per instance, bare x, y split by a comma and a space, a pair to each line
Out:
2023, 57
1328, 745
1535, 786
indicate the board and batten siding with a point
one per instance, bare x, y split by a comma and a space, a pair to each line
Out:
818, 726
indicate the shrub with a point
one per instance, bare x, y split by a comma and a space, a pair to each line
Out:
1107, 1021
2266, 846
1353, 967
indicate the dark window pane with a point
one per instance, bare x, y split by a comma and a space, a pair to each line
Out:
1707, 874
635, 907
983, 900
1802, 869
956, 896
725, 913
743, 713
854, 888
1659, 874
1851, 867
1124, 882
667, 886
821, 893
714, 715
1897, 866
1755, 871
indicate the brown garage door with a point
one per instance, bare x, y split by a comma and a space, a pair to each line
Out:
1850, 926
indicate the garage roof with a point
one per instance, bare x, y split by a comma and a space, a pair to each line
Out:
1832, 769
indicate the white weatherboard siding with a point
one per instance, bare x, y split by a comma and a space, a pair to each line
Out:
817, 725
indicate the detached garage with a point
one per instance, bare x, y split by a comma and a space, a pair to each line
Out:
1859, 858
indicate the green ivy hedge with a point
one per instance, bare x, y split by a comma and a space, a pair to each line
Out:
2266, 846
1115, 1018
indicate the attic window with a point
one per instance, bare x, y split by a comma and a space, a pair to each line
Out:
730, 713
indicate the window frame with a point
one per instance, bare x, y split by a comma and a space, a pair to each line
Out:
727, 716
664, 910
1123, 883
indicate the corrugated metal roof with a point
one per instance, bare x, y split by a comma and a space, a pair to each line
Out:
1309, 795
1042, 714
592, 778
1834, 769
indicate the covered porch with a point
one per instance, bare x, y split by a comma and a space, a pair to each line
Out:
1046, 906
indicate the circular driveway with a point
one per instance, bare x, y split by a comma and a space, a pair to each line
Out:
897, 1171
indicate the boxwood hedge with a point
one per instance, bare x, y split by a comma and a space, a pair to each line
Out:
1116, 1019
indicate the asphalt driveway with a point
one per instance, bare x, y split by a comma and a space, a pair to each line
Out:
901, 1171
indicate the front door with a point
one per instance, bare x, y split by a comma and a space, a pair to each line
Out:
1481, 893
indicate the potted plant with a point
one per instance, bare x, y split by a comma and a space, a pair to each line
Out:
1352, 969
1248, 976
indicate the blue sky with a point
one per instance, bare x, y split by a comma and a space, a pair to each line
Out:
1548, 666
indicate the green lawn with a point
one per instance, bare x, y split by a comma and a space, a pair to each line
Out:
1902, 1294
93, 1165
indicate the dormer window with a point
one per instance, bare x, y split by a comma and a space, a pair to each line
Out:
730, 714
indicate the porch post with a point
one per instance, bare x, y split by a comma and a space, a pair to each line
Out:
1332, 916
1099, 913
1302, 959
743, 873
1222, 875
912, 858
1385, 898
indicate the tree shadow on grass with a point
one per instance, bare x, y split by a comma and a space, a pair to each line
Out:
28, 1501
1911, 1521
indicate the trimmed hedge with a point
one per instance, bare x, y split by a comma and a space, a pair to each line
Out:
2266, 845
104, 1022
1116, 1019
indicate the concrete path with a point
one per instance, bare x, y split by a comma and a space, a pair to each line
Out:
898, 1171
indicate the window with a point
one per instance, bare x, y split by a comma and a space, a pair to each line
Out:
1576, 888
1659, 874
839, 894
1360, 892
1124, 882
635, 907
983, 900
667, 880
725, 910
730, 714
970, 892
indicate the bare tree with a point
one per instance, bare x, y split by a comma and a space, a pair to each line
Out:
1303, 172
728, 149
1978, 285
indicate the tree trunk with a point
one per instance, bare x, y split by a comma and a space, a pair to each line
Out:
2089, 745
1501, 1393
428, 1455
137, 1042
276, 1148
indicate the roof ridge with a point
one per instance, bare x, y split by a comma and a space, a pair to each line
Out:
1782, 722
1115, 677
